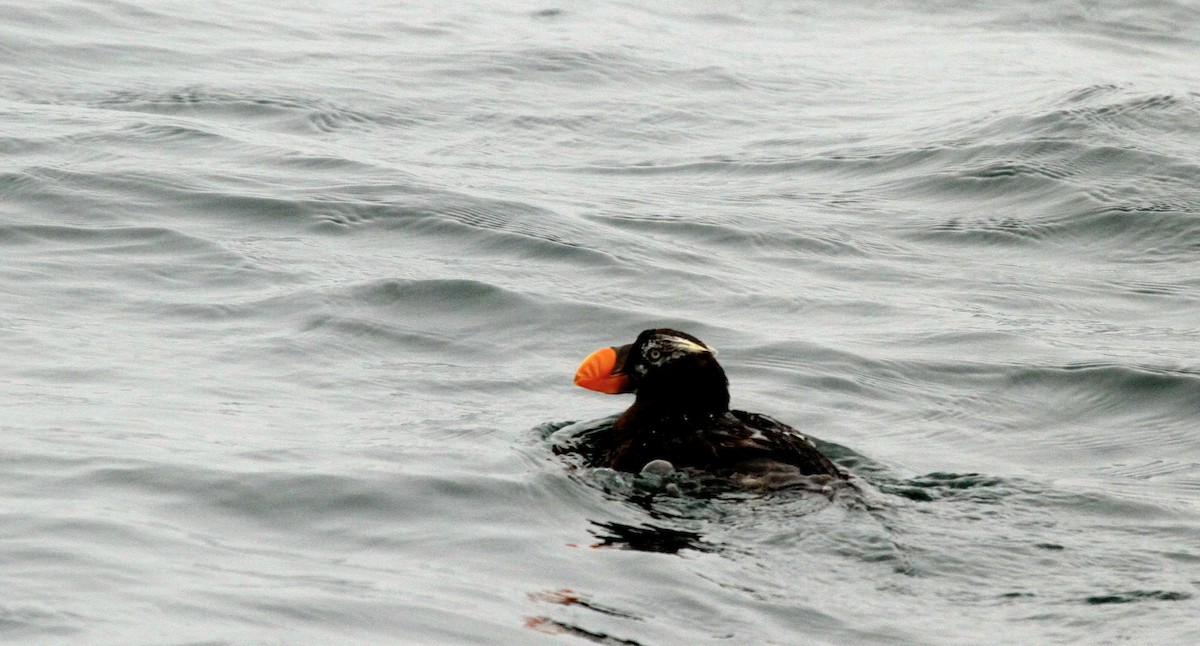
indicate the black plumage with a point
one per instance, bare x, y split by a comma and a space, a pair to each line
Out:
681, 414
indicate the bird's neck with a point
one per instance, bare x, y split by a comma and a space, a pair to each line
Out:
691, 395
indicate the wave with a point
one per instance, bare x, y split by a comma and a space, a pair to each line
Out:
573, 66
296, 114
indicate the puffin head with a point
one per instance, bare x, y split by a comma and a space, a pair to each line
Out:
660, 361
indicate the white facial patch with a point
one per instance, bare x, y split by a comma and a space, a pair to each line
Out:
665, 349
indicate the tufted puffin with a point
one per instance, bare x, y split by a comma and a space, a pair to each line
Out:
681, 415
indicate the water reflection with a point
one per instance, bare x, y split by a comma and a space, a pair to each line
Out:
648, 538
568, 597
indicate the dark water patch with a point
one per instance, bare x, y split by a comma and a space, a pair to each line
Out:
741, 239
858, 464
1158, 194
1006, 170
722, 18
96, 195
655, 168
1120, 144
989, 190
479, 322
1156, 232
1073, 168
324, 170
523, 220
1118, 386
1087, 93
485, 225
1153, 470
968, 487
1137, 595
18, 183
881, 161
259, 209
133, 256
1114, 109
1002, 180
582, 68
1030, 168
1136, 233
1107, 501
35, 139
73, 540
1174, 292
1081, 414
87, 196
571, 598
457, 306
67, 17
539, 63
201, 139
850, 164
1004, 230
379, 334
116, 240
558, 627
1145, 234
67, 60
70, 374
1135, 27
959, 537
648, 538
20, 621
192, 135
298, 502
363, 320
828, 371
293, 113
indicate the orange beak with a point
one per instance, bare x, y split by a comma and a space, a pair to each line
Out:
600, 372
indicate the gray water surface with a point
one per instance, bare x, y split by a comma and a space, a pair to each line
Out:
293, 295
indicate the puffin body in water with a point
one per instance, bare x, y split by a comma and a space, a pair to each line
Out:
681, 415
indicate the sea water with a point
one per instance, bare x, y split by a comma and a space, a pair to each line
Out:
292, 295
